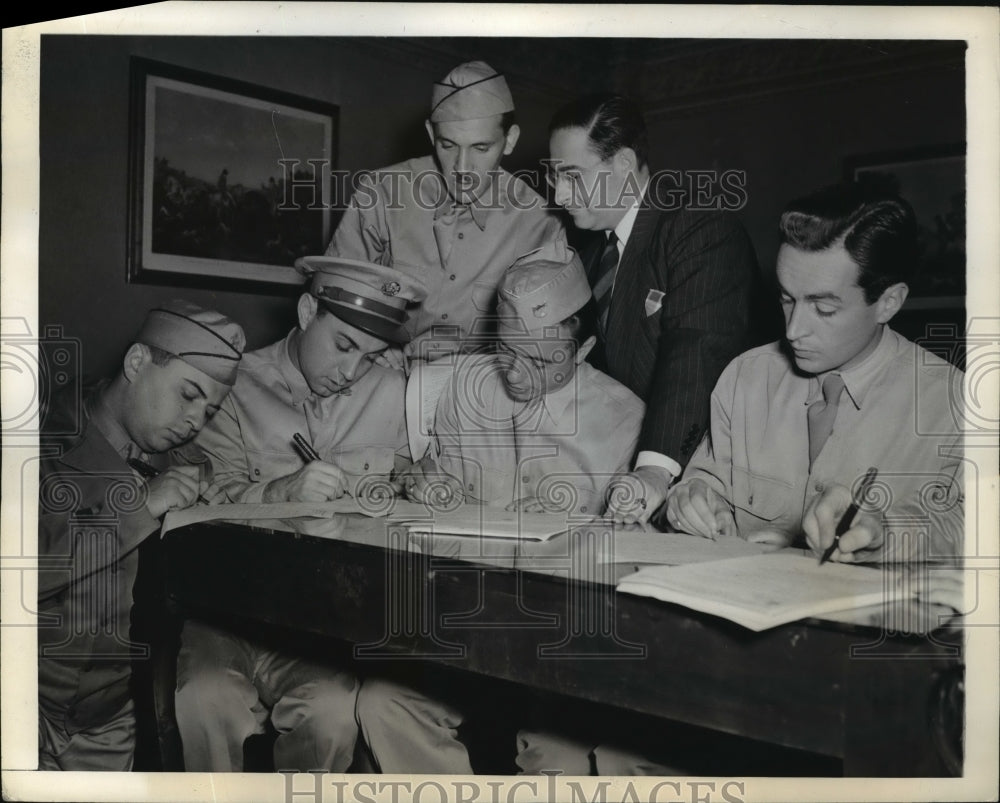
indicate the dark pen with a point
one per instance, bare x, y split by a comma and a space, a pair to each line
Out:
852, 510
306, 452
143, 468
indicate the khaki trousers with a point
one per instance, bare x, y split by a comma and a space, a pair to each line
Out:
228, 687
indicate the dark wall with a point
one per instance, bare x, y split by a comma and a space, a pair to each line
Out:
84, 166
789, 141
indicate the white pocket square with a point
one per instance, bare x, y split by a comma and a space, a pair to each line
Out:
654, 300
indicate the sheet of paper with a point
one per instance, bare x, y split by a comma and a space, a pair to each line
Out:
253, 511
673, 549
764, 591
488, 522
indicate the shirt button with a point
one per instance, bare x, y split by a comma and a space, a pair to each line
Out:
583, 509
461, 236
452, 277
256, 472
819, 487
366, 466
524, 479
750, 499
472, 486
444, 317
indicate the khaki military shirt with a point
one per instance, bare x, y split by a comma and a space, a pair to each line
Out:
403, 216
249, 441
563, 448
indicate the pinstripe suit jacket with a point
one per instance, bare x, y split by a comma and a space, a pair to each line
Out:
704, 264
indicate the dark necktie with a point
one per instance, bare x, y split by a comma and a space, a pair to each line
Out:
822, 414
604, 280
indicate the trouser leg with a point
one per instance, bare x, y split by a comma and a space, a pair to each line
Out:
216, 703
313, 713
410, 732
107, 747
541, 751
611, 759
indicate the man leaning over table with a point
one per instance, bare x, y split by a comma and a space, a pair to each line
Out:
454, 220
672, 283
95, 510
795, 424
322, 382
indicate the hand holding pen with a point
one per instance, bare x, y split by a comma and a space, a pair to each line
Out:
173, 488
835, 526
316, 481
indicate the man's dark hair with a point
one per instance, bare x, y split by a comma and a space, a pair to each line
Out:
878, 230
612, 122
160, 356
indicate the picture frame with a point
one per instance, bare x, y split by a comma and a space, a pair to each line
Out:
932, 180
229, 182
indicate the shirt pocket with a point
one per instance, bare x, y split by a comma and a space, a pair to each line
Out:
264, 465
484, 297
759, 496
362, 462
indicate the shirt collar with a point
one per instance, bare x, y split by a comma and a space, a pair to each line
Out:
477, 210
859, 379
293, 377
102, 417
624, 228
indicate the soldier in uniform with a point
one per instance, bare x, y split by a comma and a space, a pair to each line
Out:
95, 510
455, 220
320, 382
533, 426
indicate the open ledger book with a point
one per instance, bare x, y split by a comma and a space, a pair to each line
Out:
764, 591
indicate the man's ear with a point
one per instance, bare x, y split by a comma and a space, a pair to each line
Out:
136, 358
584, 349
307, 308
625, 161
891, 301
511, 138
430, 130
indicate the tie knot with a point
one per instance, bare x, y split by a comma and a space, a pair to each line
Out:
833, 386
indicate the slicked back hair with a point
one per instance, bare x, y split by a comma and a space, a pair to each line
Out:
878, 231
612, 122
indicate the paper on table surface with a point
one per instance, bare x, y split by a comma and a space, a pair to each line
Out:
472, 520
250, 511
674, 549
261, 510
489, 522
764, 591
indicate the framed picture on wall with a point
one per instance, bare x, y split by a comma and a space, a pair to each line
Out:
932, 180
229, 183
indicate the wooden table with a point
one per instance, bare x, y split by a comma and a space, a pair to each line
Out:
546, 615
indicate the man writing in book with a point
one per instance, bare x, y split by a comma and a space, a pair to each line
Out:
532, 427
795, 425
319, 383
99, 499
519, 427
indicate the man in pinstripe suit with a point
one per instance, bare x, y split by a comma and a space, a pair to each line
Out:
672, 283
